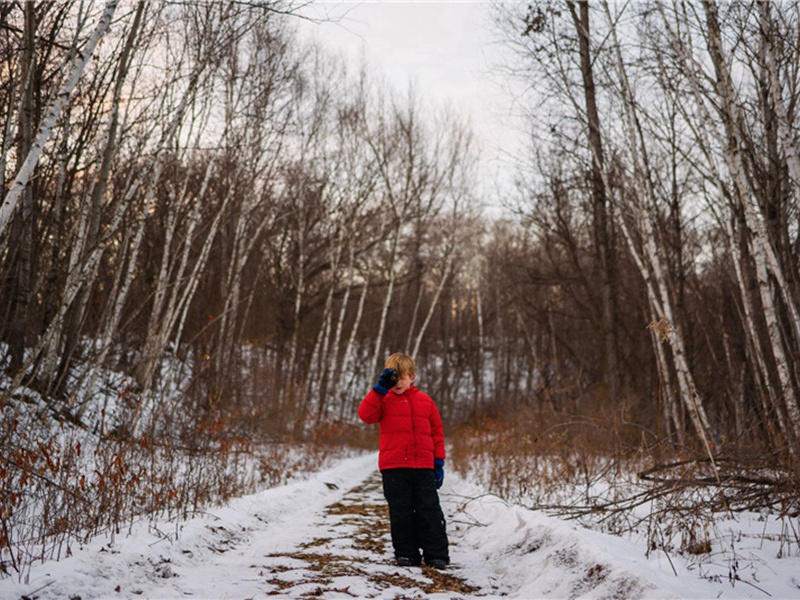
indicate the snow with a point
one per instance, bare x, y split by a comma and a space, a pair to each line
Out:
327, 536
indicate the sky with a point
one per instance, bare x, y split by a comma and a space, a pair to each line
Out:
447, 50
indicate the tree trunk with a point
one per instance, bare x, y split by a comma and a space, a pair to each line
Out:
333, 358
605, 254
387, 300
22, 231
349, 348
449, 259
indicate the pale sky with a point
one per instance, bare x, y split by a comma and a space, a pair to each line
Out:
448, 50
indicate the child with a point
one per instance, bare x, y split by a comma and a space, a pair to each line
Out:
411, 462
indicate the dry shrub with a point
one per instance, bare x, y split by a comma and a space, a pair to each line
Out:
609, 475
61, 482
538, 455
338, 433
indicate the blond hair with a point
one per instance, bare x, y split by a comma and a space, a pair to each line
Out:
402, 363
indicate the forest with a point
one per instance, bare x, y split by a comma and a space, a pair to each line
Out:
212, 235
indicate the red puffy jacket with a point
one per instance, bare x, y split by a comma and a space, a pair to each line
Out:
411, 428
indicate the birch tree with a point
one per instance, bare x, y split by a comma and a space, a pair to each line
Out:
760, 245
91, 215
559, 61
78, 62
645, 196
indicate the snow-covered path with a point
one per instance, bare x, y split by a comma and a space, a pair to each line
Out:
328, 537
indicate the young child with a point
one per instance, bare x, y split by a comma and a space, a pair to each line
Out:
411, 461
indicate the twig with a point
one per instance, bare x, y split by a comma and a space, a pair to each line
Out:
48, 584
755, 586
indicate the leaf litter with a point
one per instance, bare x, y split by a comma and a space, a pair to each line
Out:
363, 519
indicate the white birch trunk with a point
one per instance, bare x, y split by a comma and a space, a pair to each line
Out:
751, 328
760, 247
99, 185
121, 292
790, 152
435, 301
151, 348
227, 320
387, 301
645, 194
75, 281
298, 303
348, 350
334, 354
8, 137
147, 362
169, 277
324, 359
304, 400
790, 149
481, 345
654, 302
79, 62
188, 291
178, 278
414, 316
316, 365
751, 332
757, 238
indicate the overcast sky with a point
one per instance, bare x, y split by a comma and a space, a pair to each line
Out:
448, 50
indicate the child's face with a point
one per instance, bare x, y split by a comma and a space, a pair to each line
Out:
403, 383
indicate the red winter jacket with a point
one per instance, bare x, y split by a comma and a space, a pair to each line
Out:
411, 428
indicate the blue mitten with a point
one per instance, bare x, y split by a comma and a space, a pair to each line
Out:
387, 380
438, 471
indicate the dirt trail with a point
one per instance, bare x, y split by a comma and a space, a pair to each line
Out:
352, 557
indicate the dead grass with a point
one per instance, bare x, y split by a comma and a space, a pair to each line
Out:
446, 582
332, 564
360, 510
316, 543
387, 580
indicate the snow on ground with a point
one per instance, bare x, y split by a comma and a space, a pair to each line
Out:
328, 537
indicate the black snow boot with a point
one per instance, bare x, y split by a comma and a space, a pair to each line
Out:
437, 563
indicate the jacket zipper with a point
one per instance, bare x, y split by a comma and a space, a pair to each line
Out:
413, 433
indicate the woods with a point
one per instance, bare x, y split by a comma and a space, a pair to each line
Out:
226, 230
215, 189
664, 166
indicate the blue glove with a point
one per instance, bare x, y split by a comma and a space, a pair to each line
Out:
438, 471
386, 381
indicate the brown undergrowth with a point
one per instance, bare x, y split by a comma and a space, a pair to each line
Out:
612, 475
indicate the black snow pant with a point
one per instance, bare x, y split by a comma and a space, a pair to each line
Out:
416, 517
